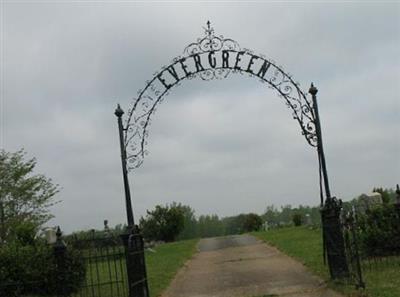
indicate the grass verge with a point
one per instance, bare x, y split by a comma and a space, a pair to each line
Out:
107, 278
165, 263
305, 245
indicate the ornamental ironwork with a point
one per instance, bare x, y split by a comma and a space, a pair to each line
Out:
212, 57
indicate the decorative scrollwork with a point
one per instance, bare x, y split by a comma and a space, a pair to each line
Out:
211, 58
210, 43
211, 74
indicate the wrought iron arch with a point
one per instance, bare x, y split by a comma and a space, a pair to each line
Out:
212, 57
215, 57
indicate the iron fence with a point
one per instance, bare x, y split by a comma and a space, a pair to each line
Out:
375, 251
352, 250
111, 266
105, 262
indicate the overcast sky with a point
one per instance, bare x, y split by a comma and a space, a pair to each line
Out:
224, 146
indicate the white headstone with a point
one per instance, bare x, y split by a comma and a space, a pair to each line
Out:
308, 220
51, 236
368, 201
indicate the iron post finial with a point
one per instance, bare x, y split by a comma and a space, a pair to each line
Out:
119, 112
208, 24
58, 233
59, 245
313, 90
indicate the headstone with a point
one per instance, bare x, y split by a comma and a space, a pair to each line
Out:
308, 220
51, 236
369, 201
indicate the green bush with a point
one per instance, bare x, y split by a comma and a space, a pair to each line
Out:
32, 269
163, 223
23, 233
252, 222
297, 219
380, 231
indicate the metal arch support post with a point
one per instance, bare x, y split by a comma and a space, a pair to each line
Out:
313, 91
332, 228
129, 213
133, 240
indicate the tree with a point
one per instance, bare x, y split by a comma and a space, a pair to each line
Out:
189, 230
210, 226
297, 219
234, 225
25, 197
252, 222
163, 223
285, 215
271, 215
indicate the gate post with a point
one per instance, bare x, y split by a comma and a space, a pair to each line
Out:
334, 242
133, 240
135, 263
332, 228
59, 250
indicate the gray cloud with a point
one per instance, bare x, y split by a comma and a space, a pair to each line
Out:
223, 147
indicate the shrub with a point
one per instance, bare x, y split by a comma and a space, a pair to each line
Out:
252, 222
31, 269
163, 223
24, 233
380, 231
297, 219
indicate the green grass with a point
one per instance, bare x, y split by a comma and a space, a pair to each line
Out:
162, 265
305, 245
165, 263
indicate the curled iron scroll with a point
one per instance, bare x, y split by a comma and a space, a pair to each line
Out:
212, 57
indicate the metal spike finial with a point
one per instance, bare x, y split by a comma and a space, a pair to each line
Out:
209, 30
59, 245
313, 90
58, 233
119, 112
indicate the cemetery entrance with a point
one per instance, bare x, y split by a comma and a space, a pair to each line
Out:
215, 57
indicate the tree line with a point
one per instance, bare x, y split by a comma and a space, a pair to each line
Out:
25, 199
177, 222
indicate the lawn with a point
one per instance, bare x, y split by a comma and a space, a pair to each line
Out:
165, 262
304, 244
106, 274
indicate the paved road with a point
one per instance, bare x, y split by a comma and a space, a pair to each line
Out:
241, 266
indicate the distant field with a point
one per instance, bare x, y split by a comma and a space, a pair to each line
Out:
305, 245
